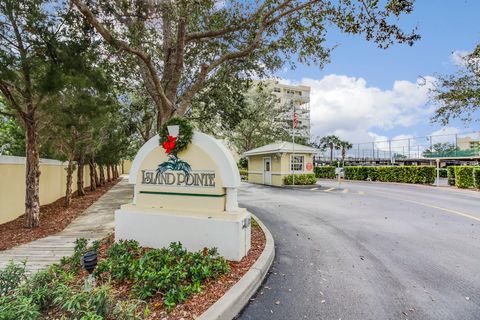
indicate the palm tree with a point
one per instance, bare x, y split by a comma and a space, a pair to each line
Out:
345, 145
175, 164
331, 142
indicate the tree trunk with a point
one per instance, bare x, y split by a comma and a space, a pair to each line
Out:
102, 175
70, 167
93, 184
116, 172
32, 176
80, 164
109, 177
68, 192
331, 154
95, 175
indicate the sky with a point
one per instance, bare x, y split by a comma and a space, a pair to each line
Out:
366, 93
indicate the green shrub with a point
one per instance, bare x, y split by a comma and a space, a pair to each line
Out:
18, 307
405, 174
476, 178
11, 277
73, 262
94, 304
451, 175
174, 272
41, 286
464, 176
130, 310
443, 173
300, 179
326, 172
122, 259
243, 174
242, 163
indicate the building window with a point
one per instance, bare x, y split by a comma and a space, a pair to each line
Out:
276, 89
296, 163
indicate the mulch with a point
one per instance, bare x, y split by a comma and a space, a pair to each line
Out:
54, 217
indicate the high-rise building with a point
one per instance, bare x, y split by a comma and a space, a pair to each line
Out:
468, 143
294, 96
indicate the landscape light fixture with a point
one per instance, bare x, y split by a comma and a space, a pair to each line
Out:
89, 262
173, 130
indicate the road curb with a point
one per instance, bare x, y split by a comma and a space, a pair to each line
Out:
237, 297
470, 191
293, 187
299, 187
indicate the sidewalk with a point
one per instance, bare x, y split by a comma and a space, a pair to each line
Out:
96, 222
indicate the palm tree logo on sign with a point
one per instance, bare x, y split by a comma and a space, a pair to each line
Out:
174, 163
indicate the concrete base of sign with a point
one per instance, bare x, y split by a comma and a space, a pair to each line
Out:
154, 228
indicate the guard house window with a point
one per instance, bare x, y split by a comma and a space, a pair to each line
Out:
296, 163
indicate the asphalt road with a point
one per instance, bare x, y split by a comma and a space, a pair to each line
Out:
366, 250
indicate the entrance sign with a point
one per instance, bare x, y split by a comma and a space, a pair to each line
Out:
189, 197
197, 179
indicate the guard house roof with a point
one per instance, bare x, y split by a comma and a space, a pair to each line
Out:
281, 146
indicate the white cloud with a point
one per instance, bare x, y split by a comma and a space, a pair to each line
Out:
457, 57
348, 107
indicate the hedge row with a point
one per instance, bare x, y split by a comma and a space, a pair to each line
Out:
405, 174
327, 172
476, 178
451, 175
300, 179
465, 176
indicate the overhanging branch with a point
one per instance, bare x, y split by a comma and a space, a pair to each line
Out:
123, 45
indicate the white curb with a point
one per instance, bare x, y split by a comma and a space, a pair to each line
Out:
237, 297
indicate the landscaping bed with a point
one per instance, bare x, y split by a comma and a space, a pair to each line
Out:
54, 217
132, 283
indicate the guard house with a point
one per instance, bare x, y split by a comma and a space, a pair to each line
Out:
270, 163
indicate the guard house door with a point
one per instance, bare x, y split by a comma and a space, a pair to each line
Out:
267, 171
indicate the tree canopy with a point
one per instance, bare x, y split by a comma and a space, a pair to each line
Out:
180, 45
458, 96
91, 80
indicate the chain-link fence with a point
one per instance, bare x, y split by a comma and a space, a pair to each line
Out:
461, 145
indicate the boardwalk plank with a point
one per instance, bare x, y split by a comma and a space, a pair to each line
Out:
95, 223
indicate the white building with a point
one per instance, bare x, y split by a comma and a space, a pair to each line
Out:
298, 96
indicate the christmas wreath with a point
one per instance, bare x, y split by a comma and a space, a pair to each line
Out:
174, 144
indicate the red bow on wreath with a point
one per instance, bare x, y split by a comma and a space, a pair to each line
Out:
170, 144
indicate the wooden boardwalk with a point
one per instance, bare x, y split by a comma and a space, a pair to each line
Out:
96, 222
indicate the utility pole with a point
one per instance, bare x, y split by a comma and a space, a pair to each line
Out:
408, 148
294, 124
390, 150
